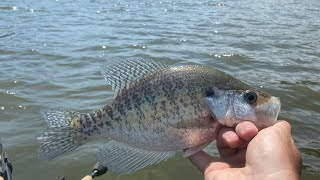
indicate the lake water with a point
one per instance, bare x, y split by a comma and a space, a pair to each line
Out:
52, 51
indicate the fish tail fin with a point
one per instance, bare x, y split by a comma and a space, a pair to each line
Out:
59, 137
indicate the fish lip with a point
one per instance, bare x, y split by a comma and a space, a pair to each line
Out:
270, 111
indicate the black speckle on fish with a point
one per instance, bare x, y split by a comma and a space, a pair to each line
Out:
163, 105
109, 111
107, 124
101, 125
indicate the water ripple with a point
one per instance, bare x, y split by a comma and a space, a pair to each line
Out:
50, 53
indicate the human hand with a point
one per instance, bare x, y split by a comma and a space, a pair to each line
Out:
247, 154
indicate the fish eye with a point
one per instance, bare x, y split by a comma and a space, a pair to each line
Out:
250, 97
209, 93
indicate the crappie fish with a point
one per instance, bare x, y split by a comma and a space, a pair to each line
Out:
157, 110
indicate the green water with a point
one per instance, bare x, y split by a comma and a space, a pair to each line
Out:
51, 56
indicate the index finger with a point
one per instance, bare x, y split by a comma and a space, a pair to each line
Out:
230, 138
246, 130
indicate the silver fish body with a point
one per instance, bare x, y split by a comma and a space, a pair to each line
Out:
158, 110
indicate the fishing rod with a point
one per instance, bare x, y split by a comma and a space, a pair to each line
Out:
6, 168
5, 165
97, 170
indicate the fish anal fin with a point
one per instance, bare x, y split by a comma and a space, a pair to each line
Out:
124, 159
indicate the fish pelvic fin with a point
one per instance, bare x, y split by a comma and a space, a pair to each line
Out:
193, 150
59, 137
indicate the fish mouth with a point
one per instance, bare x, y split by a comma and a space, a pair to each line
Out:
267, 113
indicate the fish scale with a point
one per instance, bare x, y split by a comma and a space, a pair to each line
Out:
157, 110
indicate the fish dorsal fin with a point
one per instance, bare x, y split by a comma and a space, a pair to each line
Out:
124, 159
120, 73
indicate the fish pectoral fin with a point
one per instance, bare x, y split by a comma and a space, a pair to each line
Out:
121, 73
195, 149
124, 159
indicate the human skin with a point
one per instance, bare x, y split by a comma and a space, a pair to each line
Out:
247, 153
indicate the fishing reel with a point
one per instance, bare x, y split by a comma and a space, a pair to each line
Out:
97, 170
